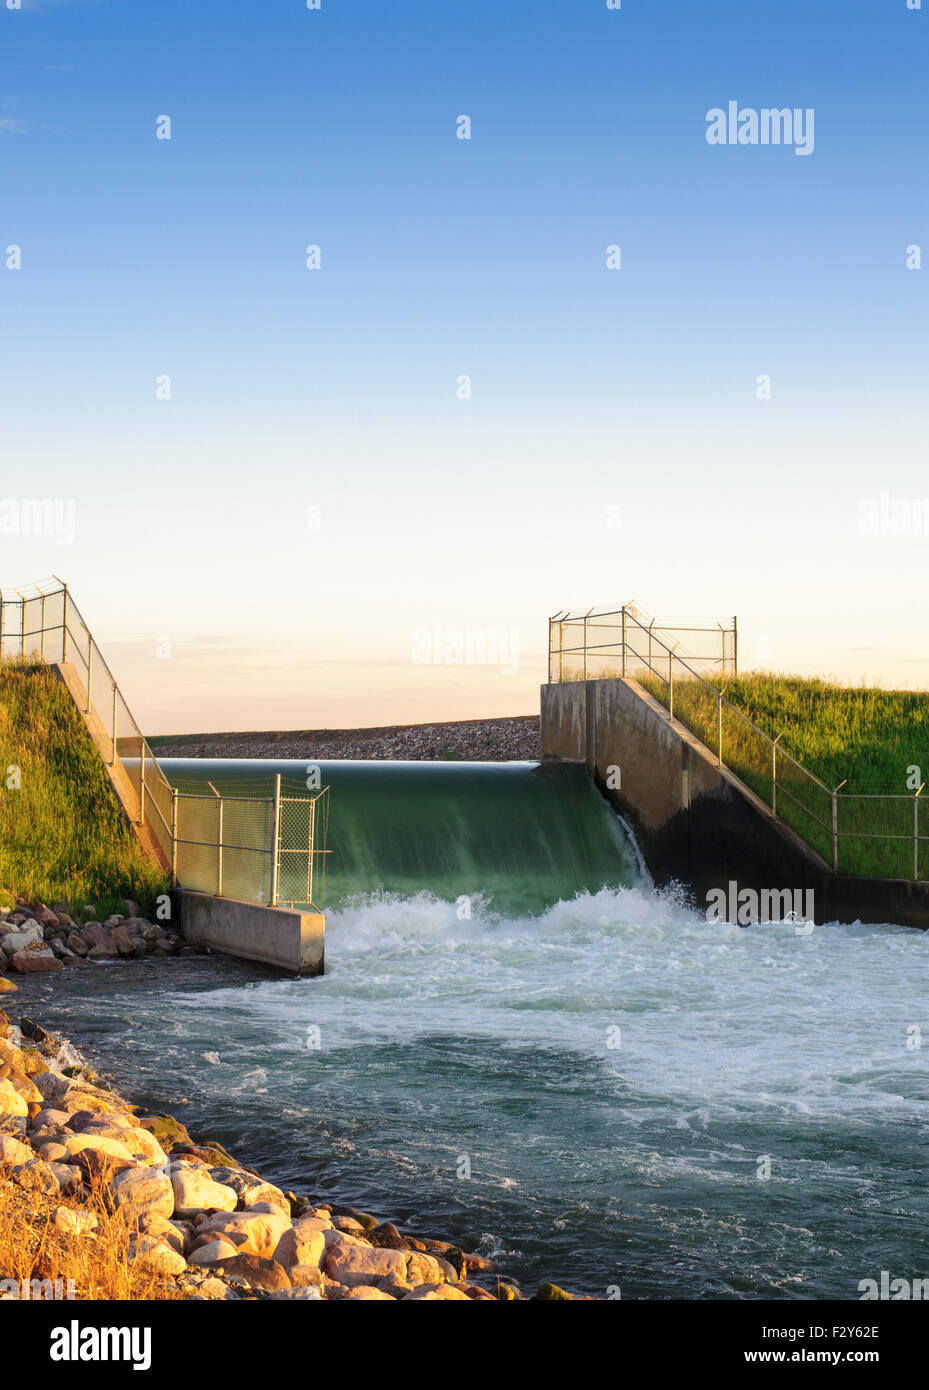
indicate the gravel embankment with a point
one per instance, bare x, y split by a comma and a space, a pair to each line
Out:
480, 740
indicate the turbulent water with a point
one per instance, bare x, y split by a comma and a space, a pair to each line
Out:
613, 1072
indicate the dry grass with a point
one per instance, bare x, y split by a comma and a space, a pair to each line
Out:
98, 1263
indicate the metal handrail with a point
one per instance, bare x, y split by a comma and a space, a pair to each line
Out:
777, 786
79, 648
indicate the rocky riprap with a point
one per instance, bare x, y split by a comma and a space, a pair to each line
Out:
34, 937
210, 1228
477, 740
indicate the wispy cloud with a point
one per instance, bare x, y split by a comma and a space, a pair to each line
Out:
9, 126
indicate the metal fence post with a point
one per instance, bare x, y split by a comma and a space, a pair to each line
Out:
835, 824
774, 773
174, 837
1, 627
142, 786
64, 625
671, 685
916, 834
624, 641
115, 694
219, 852
719, 728
276, 839
42, 633
22, 627
309, 857
560, 652
90, 666
585, 648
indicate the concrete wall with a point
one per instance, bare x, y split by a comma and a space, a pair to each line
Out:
694, 821
276, 936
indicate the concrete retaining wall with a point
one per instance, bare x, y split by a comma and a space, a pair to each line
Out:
695, 822
276, 936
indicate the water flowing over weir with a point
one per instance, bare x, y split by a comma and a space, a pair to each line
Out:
522, 836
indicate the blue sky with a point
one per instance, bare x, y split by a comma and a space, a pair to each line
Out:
592, 389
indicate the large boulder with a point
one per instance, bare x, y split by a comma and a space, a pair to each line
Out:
12, 1151
34, 959
251, 1190
253, 1233
213, 1252
143, 1191
433, 1293
303, 1243
173, 1233
76, 1144
166, 1130
429, 1269
11, 1102
141, 1145
195, 1191
26, 936
120, 938
256, 1273
353, 1265
155, 1256
37, 1177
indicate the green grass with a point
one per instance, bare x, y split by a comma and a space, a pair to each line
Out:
63, 835
871, 737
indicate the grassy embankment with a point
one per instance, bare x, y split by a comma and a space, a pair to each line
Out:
63, 835
871, 737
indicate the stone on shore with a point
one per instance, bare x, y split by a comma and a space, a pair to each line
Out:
143, 1191
12, 1151
251, 1190
256, 1273
76, 1144
355, 1265
435, 1292
37, 1177
11, 1102
34, 959
75, 1221
253, 1233
213, 1252
166, 1130
429, 1269
195, 1192
303, 1243
20, 940
155, 1256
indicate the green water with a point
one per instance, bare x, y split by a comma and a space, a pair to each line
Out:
519, 837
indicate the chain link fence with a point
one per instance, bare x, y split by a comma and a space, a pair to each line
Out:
268, 849
880, 835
